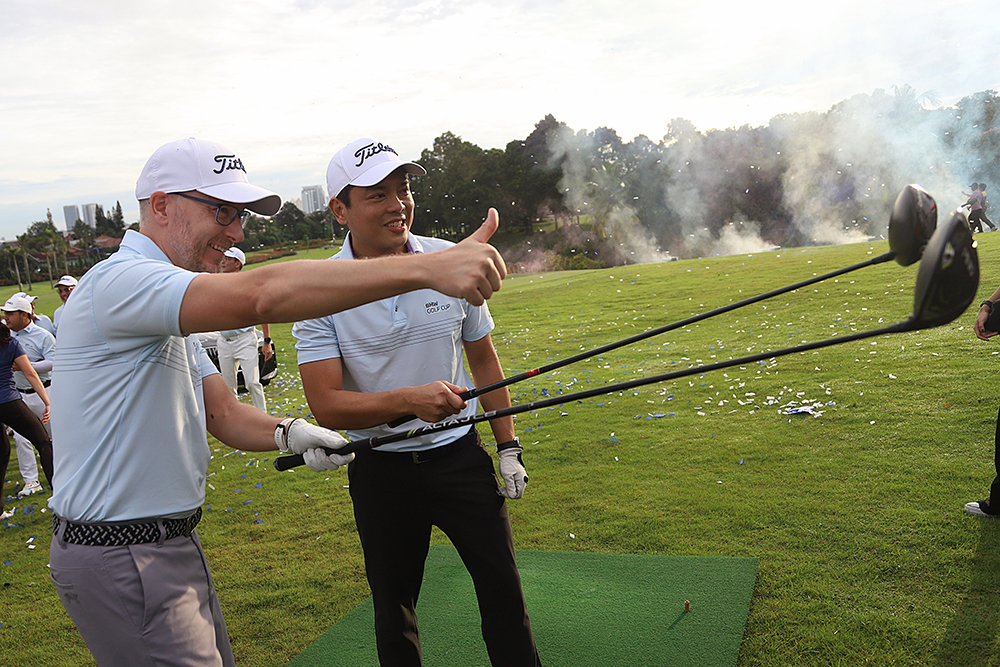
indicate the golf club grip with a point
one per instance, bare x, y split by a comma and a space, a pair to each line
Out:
296, 460
465, 395
288, 462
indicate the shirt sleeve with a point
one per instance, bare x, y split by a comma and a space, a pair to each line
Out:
316, 340
151, 306
478, 322
49, 348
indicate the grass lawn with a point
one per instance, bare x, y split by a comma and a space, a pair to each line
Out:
866, 557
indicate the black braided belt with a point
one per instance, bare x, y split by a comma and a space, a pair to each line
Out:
120, 535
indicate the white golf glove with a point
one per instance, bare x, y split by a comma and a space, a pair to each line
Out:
512, 471
318, 460
297, 436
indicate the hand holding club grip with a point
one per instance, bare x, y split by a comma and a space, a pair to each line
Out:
295, 460
465, 396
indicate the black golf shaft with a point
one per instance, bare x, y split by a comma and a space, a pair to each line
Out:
286, 462
485, 389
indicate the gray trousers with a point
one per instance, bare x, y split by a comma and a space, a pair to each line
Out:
144, 605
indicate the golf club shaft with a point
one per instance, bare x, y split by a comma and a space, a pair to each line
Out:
485, 389
286, 462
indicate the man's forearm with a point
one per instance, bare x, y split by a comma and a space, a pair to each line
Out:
486, 370
307, 289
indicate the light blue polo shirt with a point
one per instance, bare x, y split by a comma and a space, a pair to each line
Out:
38, 344
128, 411
55, 320
44, 322
403, 341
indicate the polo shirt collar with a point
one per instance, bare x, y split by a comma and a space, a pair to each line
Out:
143, 245
412, 245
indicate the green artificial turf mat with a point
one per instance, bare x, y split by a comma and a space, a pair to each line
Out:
586, 609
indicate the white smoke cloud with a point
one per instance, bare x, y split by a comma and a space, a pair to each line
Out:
840, 173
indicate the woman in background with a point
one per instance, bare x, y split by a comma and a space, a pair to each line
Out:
15, 414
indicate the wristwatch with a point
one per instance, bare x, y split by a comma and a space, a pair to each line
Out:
267, 341
988, 304
507, 445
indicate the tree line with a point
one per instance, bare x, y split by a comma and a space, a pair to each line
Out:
584, 198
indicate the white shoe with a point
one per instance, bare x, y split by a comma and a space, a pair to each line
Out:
978, 507
7, 515
29, 488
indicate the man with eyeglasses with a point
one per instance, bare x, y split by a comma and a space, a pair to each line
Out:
136, 393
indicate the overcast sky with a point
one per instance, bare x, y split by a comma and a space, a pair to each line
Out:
89, 89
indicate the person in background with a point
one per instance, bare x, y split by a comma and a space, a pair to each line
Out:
64, 287
237, 348
403, 355
40, 347
975, 206
982, 192
989, 506
135, 394
41, 319
13, 412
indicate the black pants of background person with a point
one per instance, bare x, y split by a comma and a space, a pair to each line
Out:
976, 220
994, 505
19, 417
396, 501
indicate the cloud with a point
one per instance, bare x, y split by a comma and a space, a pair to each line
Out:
97, 86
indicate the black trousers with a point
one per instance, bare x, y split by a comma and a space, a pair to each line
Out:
995, 486
977, 218
19, 417
396, 502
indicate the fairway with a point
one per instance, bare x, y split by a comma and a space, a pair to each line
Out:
843, 471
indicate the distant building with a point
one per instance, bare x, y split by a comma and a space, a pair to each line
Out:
71, 213
313, 199
90, 215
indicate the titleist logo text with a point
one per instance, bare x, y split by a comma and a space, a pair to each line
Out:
227, 162
371, 150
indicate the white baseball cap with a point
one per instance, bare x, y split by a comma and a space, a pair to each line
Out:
15, 303
364, 162
211, 169
69, 281
236, 254
26, 296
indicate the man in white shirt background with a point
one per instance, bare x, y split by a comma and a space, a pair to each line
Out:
237, 348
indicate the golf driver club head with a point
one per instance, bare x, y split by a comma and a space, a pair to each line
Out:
913, 220
948, 277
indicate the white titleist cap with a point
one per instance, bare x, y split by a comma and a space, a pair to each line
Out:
364, 162
236, 254
211, 169
26, 296
15, 303
68, 281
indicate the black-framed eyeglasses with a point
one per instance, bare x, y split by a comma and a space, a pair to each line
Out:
225, 214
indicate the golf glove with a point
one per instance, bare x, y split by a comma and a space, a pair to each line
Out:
318, 460
512, 472
297, 436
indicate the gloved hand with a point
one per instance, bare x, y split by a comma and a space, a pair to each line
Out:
318, 460
512, 472
297, 436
